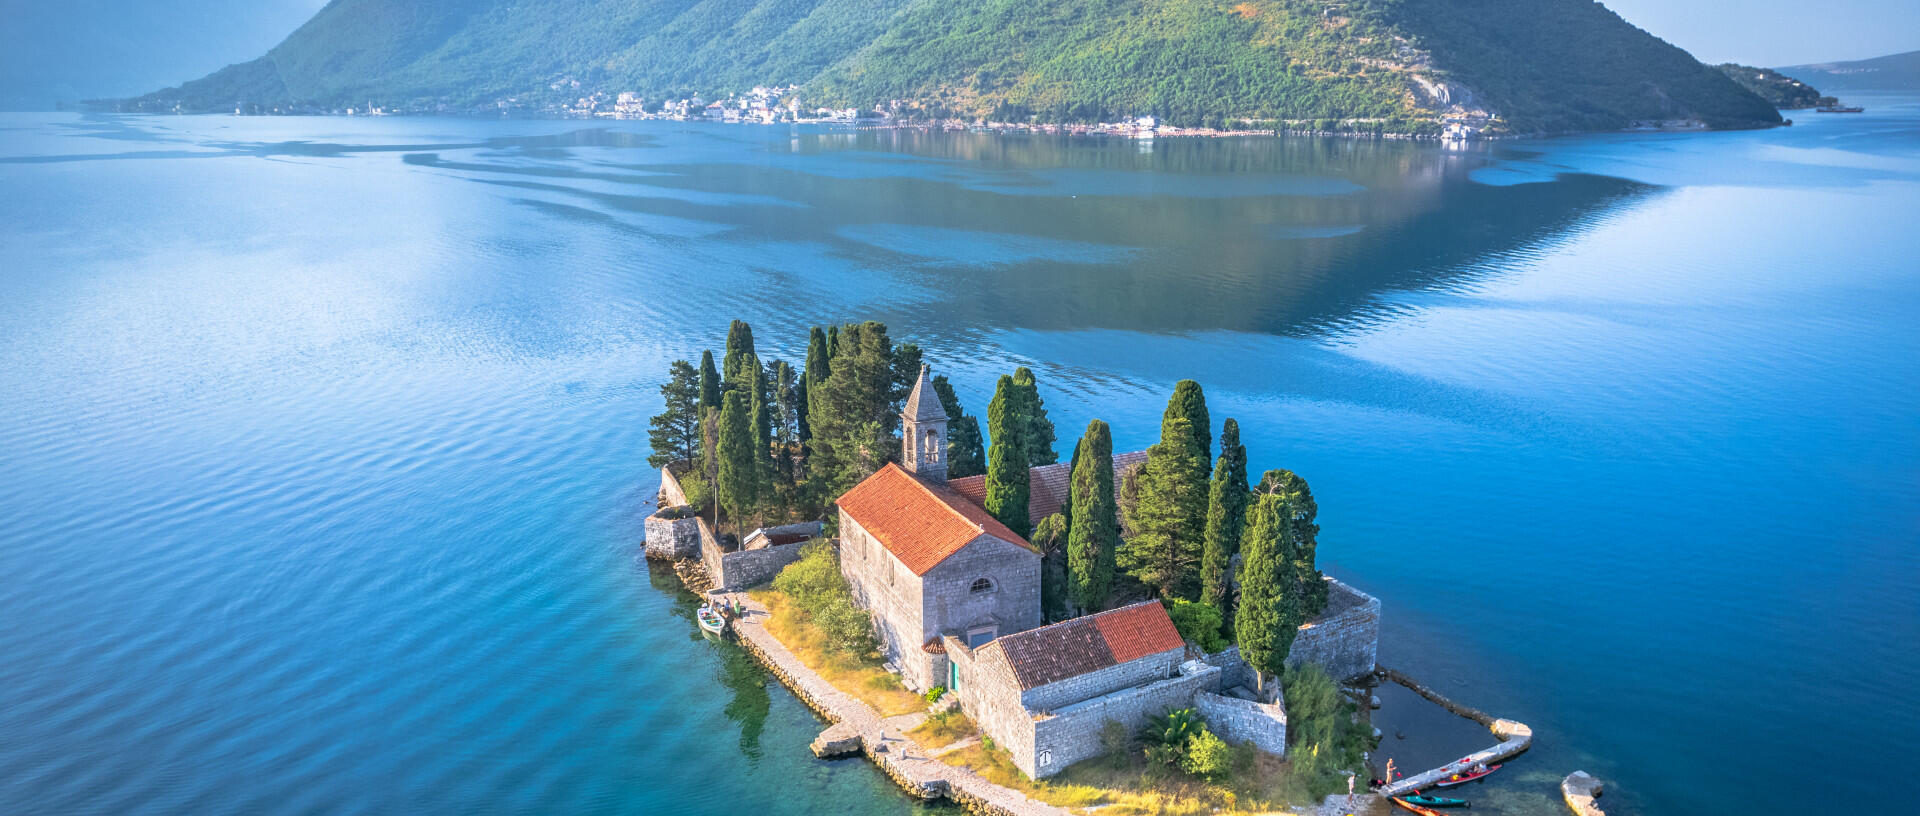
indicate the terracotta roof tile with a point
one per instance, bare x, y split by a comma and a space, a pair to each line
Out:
1047, 485
1072, 648
920, 523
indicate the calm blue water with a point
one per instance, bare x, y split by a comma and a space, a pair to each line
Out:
324, 439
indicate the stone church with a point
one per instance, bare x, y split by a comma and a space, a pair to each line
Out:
955, 600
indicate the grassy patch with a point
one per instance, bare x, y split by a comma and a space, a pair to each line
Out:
941, 730
1130, 785
862, 676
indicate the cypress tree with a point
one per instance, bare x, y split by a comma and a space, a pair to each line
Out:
739, 476
1267, 619
966, 454
1007, 477
906, 374
1226, 520
709, 384
833, 343
811, 377
1040, 437
1311, 586
1050, 535
1095, 525
739, 347
1190, 402
785, 387
1169, 520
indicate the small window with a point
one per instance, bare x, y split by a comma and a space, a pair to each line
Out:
977, 638
982, 585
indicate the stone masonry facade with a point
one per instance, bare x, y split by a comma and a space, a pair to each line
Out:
1345, 641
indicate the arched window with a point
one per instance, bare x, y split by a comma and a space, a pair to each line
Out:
981, 585
930, 448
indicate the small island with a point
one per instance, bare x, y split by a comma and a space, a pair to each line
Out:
993, 625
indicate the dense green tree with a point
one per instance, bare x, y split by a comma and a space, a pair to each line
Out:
1226, 519
811, 378
740, 466
709, 384
1040, 437
1198, 622
675, 431
1267, 618
906, 374
850, 411
966, 453
1169, 521
1050, 535
1190, 403
1094, 530
1311, 586
1007, 476
785, 385
739, 348
833, 343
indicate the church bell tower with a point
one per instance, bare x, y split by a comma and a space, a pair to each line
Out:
923, 432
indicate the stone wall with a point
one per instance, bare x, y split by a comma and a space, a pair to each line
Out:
891, 593
672, 538
1073, 733
735, 571
1233, 668
1240, 721
1346, 641
670, 487
761, 537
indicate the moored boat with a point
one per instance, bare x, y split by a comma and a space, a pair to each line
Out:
1435, 801
1415, 808
1464, 777
1840, 109
711, 621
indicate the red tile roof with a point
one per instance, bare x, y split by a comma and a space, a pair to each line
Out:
1047, 485
1072, 648
920, 523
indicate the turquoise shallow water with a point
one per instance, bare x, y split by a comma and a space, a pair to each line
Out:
324, 439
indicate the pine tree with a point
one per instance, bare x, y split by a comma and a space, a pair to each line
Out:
739, 347
1267, 619
1311, 585
1040, 437
740, 468
709, 384
966, 454
1170, 519
1007, 477
675, 431
1190, 402
849, 412
1094, 528
1226, 520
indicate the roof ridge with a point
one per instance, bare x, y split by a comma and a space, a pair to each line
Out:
1079, 619
935, 491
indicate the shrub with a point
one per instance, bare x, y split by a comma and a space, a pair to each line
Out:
933, 694
1166, 735
816, 586
1208, 756
1200, 623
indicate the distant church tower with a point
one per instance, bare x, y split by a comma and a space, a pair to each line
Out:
923, 432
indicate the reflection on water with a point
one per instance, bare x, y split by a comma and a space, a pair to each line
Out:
325, 448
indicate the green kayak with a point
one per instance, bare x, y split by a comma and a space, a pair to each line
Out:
1435, 801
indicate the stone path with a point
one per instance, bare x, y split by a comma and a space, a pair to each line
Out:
857, 727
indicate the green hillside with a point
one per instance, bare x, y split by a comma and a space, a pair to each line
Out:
1539, 65
1781, 91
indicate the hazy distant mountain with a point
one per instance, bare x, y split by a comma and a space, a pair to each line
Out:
1543, 65
1898, 72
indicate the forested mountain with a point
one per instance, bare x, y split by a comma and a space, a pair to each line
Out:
1539, 65
1781, 91
1896, 72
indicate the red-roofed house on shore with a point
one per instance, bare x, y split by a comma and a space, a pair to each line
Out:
926, 561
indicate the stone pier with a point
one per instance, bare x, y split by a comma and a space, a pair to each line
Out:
858, 728
1515, 738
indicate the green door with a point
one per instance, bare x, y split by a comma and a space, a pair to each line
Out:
953, 676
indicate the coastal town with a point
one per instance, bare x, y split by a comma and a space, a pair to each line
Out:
983, 620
